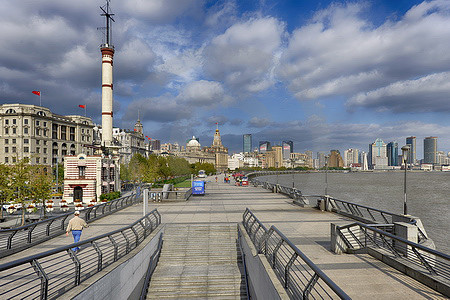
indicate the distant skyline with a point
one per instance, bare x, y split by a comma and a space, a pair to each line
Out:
324, 74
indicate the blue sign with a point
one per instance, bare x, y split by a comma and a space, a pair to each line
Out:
198, 187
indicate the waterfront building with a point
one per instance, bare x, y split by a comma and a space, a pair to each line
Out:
335, 160
131, 142
321, 158
299, 160
288, 148
430, 150
378, 155
87, 177
411, 141
155, 145
392, 153
351, 156
247, 143
264, 146
34, 132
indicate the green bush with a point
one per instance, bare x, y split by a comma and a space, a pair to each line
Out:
110, 196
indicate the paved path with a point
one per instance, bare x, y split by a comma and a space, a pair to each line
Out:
360, 276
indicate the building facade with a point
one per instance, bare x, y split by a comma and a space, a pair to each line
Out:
247, 143
392, 153
430, 152
34, 132
335, 160
264, 146
411, 141
378, 155
351, 156
288, 148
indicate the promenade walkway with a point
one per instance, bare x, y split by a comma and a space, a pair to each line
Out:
360, 276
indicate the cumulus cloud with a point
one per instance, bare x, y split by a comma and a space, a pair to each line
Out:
244, 55
258, 122
205, 93
340, 53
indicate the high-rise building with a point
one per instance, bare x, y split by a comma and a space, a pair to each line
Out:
378, 155
430, 150
247, 143
335, 160
321, 158
155, 145
411, 141
288, 148
351, 157
264, 146
392, 153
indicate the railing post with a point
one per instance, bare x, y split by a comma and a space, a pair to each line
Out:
77, 264
137, 236
63, 221
115, 247
99, 255
288, 267
47, 230
127, 249
44, 278
9, 243
310, 286
30, 232
275, 250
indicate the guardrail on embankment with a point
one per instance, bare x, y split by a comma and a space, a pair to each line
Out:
52, 273
158, 196
301, 278
427, 265
17, 239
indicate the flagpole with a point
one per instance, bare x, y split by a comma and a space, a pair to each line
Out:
85, 108
40, 100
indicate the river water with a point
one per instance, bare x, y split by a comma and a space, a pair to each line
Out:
428, 195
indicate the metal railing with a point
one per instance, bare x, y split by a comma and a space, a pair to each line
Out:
151, 268
52, 273
158, 196
301, 278
16, 239
431, 262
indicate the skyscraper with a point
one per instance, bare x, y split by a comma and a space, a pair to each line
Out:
350, 157
321, 158
392, 153
247, 143
377, 155
288, 148
335, 160
430, 152
411, 141
264, 146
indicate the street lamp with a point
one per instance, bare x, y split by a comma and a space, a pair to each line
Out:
326, 175
405, 152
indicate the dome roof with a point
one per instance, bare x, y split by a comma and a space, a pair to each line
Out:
193, 143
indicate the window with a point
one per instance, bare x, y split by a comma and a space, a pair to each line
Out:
45, 124
82, 171
14, 121
82, 130
6, 122
26, 149
6, 141
14, 149
14, 130
10, 111
13, 159
13, 141
38, 160
25, 121
41, 113
6, 130
38, 142
25, 130
6, 160
38, 150
37, 123
26, 141
38, 131
45, 150
54, 131
45, 160
82, 138
45, 142
45, 132
6, 149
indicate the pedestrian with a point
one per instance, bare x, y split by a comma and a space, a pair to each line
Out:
76, 225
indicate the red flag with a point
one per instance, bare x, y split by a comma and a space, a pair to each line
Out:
146, 136
135, 129
82, 106
217, 123
36, 93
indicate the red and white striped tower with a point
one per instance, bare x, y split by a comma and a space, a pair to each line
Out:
107, 50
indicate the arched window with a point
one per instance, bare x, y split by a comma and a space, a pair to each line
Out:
10, 111
41, 113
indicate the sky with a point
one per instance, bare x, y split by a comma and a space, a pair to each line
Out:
324, 74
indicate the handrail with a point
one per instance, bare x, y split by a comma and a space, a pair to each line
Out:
299, 275
430, 261
16, 239
62, 268
151, 268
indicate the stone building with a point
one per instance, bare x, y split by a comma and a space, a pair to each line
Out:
335, 160
42, 136
220, 152
87, 177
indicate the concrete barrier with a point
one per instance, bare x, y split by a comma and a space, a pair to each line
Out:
263, 282
122, 279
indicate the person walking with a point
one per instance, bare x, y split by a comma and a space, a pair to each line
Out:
76, 225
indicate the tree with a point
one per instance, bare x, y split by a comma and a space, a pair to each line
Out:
41, 185
6, 191
19, 180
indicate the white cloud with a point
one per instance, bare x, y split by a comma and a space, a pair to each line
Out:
244, 55
205, 93
342, 54
259, 122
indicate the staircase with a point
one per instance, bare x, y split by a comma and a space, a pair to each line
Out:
199, 261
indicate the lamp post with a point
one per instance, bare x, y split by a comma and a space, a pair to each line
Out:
326, 175
405, 152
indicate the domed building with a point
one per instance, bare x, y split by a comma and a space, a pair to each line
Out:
193, 145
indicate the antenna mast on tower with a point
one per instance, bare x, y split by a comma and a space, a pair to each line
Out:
108, 16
